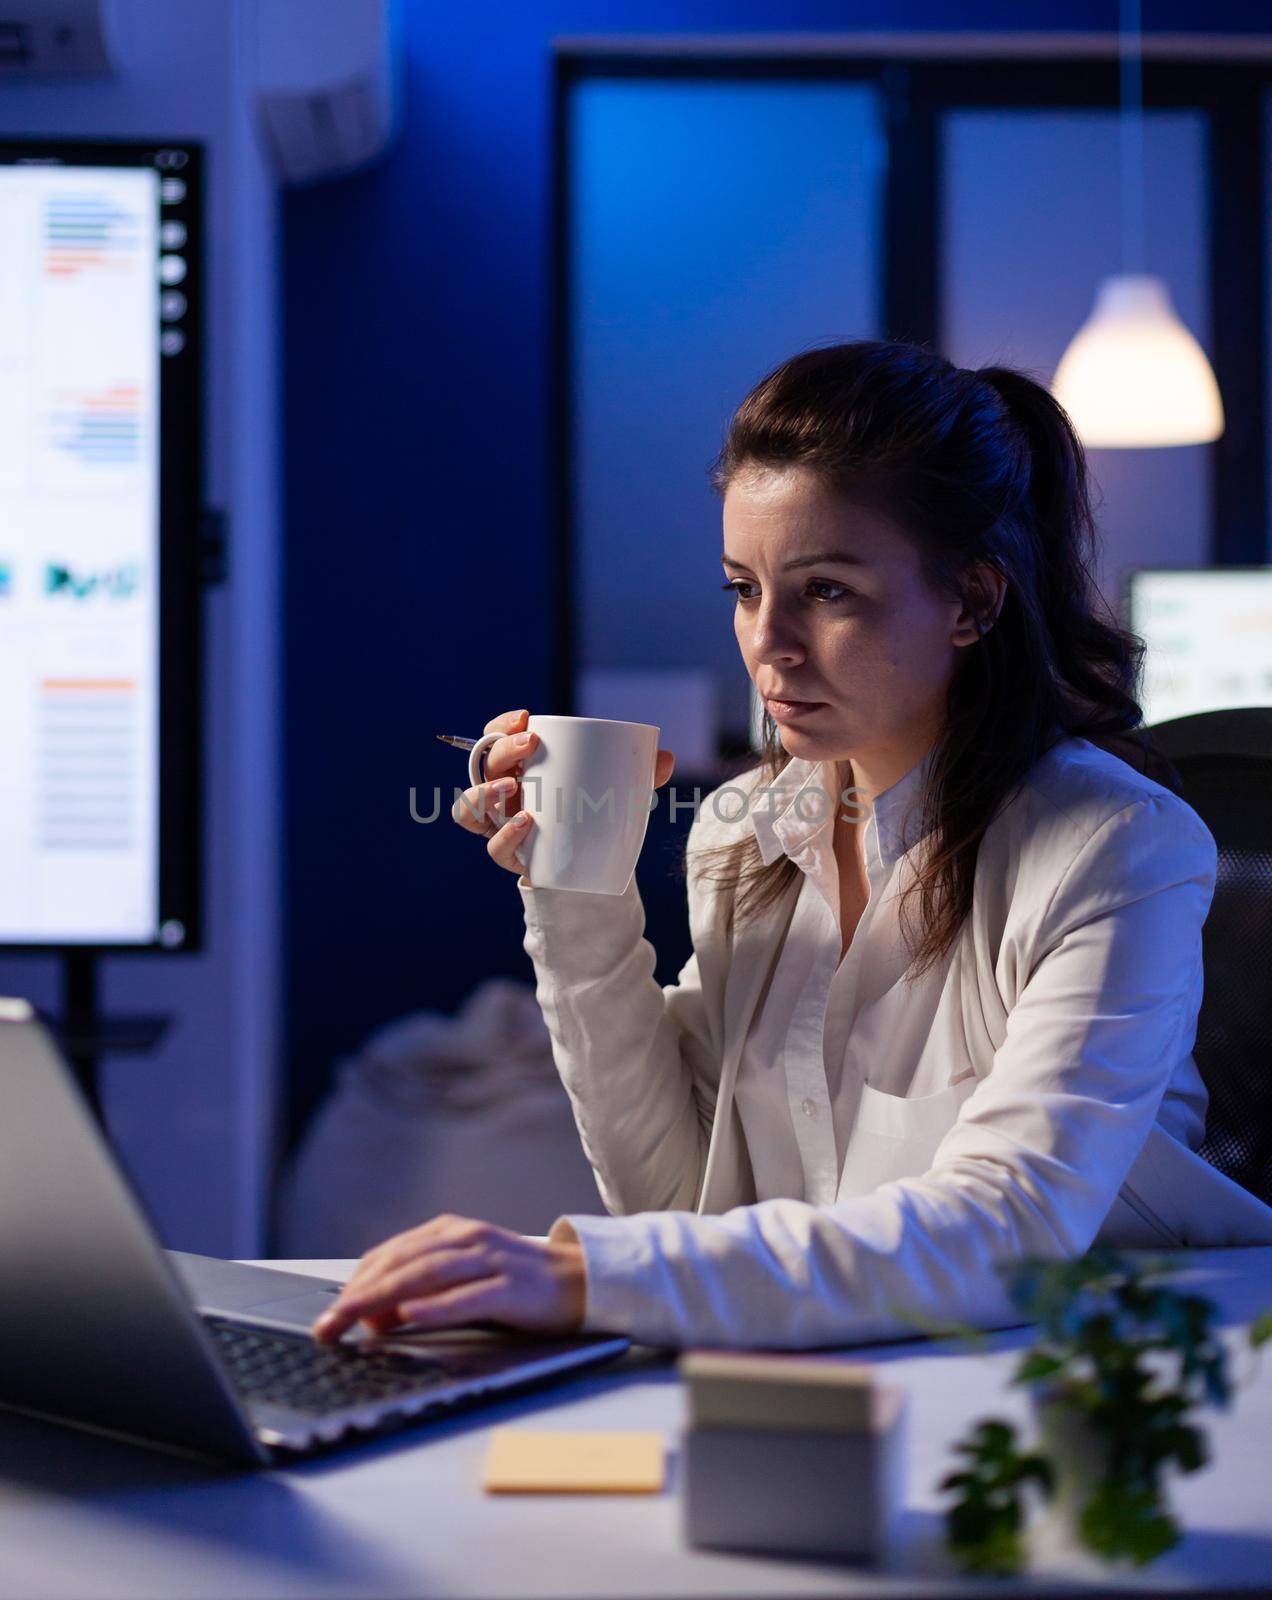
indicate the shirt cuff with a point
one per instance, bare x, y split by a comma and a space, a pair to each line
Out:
581, 902
572, 936
619, 1255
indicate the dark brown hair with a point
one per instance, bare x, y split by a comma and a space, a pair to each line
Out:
975, 466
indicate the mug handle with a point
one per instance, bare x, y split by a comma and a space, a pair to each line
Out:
475, 773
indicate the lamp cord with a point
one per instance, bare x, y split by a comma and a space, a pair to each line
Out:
1131, 135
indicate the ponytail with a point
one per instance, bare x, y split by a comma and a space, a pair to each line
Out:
1097, 661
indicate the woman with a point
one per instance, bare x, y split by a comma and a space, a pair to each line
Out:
947, 949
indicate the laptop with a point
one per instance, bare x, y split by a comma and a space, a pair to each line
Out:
106, 1330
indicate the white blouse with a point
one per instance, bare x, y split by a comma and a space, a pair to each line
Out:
811, 1055
797, 1151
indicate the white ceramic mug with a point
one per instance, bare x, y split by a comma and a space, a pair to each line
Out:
589, 786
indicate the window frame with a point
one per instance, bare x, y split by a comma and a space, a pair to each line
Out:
921, 80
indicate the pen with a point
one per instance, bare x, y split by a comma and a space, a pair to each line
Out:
457, 739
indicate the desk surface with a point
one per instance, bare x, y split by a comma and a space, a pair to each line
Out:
405, 1516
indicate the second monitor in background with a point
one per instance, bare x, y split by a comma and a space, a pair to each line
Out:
1208, 633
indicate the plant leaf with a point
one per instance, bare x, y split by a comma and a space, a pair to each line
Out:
1037, 1365
1122, 1520
1261, 1329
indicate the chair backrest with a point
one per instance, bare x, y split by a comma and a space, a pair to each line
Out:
1224, 761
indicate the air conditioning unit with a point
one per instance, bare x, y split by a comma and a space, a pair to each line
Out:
327, 83
41, 38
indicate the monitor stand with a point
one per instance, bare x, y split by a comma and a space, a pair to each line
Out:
85, 1035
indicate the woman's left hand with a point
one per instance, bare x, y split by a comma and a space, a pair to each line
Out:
455, 1270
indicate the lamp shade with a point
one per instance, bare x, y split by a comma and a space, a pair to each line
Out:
1133, 375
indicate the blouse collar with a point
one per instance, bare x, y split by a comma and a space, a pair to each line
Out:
789, 813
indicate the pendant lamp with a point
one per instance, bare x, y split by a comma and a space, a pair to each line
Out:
1133, 375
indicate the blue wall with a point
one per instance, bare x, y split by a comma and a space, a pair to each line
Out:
416, 301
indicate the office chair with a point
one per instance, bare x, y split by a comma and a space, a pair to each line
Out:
1224, 762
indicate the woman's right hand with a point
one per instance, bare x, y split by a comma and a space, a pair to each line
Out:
493, 809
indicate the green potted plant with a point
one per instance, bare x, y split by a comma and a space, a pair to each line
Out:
1118, 1370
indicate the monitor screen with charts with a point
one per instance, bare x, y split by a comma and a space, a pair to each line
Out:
1208, 634
99, 508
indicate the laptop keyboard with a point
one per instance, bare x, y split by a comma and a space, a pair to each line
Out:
294, 1371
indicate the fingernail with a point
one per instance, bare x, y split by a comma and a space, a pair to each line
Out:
521, 819
504, 785
521, 741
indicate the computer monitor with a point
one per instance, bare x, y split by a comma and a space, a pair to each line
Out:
1208, 634
100, 499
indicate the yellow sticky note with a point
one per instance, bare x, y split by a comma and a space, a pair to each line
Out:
527, 1461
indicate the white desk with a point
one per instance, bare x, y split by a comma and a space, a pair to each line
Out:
404, 1516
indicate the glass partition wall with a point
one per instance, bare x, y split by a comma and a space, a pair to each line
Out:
1029, 225
718, 213
715, 228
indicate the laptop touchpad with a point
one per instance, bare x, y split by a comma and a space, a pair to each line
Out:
298, 1309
